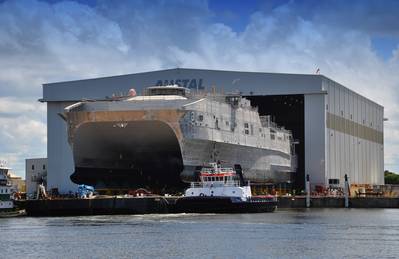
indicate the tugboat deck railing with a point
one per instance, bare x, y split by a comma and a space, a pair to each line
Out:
215, 184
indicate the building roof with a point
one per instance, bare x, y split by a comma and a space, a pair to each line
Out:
257, 83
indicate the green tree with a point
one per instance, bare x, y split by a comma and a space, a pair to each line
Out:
391, 178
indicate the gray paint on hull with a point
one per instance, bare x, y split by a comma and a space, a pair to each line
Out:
259, 165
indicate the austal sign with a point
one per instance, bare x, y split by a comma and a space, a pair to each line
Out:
188, 83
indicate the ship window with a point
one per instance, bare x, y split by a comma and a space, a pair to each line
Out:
192, 117
252, 129
247, 132
272, 136
246, 125
33, 167
201, 117
333, 181
166, 91
44, 167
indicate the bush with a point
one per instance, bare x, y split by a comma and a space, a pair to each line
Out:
391, 178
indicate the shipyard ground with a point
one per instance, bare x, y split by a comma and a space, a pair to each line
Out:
160, 204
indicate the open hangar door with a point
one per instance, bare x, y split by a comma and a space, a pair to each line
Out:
287, 111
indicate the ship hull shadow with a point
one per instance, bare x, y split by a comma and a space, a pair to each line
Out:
127, 155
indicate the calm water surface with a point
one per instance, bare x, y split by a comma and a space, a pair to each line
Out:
316, 233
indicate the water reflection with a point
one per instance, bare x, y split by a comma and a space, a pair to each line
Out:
310, 233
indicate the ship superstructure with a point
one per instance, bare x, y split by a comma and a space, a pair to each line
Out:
5, 189
165, 135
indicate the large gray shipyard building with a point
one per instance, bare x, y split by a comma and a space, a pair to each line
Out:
338, 131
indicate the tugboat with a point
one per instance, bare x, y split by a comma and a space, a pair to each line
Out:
223, 190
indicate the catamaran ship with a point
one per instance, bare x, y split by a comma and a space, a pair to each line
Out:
163, 137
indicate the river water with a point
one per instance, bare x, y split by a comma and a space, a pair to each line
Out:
307, 233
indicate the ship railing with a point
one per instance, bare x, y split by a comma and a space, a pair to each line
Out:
215, 184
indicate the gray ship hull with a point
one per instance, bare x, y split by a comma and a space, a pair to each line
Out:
259, 165
149, 153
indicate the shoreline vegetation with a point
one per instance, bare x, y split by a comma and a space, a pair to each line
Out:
391, 177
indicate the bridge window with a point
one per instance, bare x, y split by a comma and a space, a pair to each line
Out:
167, 91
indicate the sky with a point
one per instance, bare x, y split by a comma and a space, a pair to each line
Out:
356, 43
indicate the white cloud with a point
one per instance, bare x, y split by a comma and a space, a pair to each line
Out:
41, 42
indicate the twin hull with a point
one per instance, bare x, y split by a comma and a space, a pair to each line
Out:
150, 148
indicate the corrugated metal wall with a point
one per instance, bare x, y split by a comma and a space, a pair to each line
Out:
59, 153
354, 136
315, 157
